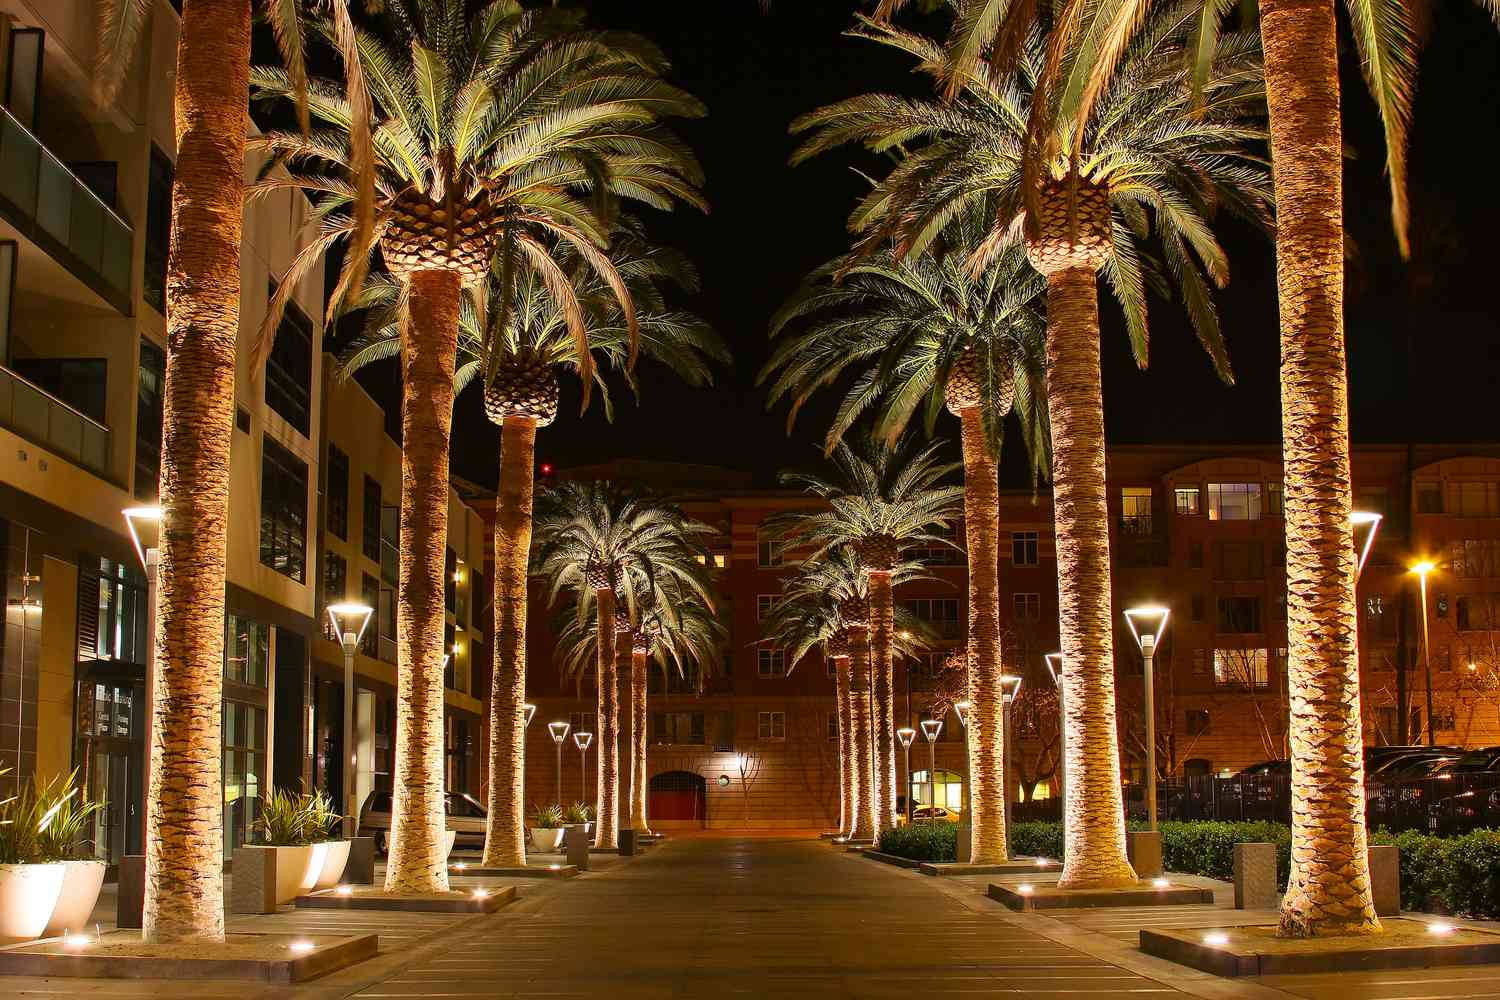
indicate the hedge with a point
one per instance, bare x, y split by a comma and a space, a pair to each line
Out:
933, 840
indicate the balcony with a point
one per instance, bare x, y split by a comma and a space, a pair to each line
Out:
41, 417
47, 202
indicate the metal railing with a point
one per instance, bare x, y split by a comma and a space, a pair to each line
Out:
52, 200
36, 414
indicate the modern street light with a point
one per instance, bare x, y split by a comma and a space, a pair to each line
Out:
1148, 623
559, 732
528, 710
1054, 662
961, 709
349, 620
906, 734
931, 729
1421, 569
1010, 690
582, 741
1365, 523
144, 525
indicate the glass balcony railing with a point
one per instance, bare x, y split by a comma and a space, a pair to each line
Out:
59, 211
38, 415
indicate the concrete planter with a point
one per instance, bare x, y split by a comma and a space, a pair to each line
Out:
547, 841
81, 883
266, 877
28, 895
327, 868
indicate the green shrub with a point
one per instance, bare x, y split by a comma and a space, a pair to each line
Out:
578, 812
1038, 839
1472, 867
293, 819
934, 840
1207, 848
548, 817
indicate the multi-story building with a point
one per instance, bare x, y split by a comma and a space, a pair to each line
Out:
1198, 529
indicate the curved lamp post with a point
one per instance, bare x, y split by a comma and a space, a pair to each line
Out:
559, 732
144, 525
1054, 662
1422, 569
349, 621
1148, 623
583, 741
906, 734
931, 729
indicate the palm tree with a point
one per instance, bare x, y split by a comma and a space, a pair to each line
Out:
927, 332
881, 500
496, 136
1148, 161
517, 352
616, 549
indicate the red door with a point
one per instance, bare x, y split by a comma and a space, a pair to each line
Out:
676, 796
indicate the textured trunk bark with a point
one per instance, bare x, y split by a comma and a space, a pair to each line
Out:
429, 344
1329, 889
860, 721
638, 771
848, 789
184, 804
882, 670
505, 828
607, 824
1095, 813
982, 535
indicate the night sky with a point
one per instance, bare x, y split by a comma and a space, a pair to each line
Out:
1422, 336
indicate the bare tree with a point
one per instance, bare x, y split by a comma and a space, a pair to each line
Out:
1248, 671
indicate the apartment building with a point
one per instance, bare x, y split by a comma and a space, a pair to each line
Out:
1198, 529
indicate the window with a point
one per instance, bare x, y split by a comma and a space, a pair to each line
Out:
338, 493
370, 528
1475, 557
1372, 499
1234, 501
1476, 612
716, 560
82, 383
772, 726
245, 778
772, 662
283, 511
1444, 719
1023, 548
1026, 607
1197, 721
1474, 499
450, 581
1239, 560
1273, 500
770, 550
247, 651
1197, 607
682, 728
369, 593
1187, 499
1135, 510
831, 727
390, 541
335, 578
1429, 498
121, 625
939, 612
1200, 661
151, 378
1239, 614
936, 553
1195, 555
1247, 668
1380, 619
158, 230
764, 603
289, 367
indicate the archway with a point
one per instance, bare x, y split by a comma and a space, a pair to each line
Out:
678, 798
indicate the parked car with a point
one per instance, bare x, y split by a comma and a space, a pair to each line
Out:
1265, 767
929, 814
1475, 801
1479, 761
465, 817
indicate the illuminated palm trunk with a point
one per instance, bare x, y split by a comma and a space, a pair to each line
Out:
848, 787
638, 771
882, 672
184, 897
607, 823
505, 827
417, 860
860, 722
1329, 888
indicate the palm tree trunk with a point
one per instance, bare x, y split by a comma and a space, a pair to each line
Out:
638, 773
859, 731
848, 788
987, 714
184, 804
1075, 401
417, 861
505, 828
1329, 889
607, 822
882, 669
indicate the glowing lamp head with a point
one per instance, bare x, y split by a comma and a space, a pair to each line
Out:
1422, 567
583, 740
1025, 888
76, 940
528, 712
481, 894
144, 524
1439, 928
931, 729
1010, 687
559, 730
349, 620
906, 734
1054, 662
1160, 883
344, 890
1148, 622
961, 708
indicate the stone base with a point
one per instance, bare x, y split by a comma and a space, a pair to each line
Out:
1256, 951
1018, 866
1050, 897
529, 871
1143, 850
266, 958
457, 901
891, 859
360, 869
130, 898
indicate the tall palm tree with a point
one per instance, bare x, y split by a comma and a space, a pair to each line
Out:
927, 332
184, 830
880, 500
1148, 162
517, 353
615, 549
495, 136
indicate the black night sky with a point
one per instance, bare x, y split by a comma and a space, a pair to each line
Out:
1422, 336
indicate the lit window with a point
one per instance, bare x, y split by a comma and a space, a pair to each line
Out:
772, 726
1187, 499
1246, 668
1135, 510
1234, 502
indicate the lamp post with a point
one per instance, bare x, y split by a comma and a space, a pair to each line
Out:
528, 710
559, 732
582, 741
1054, 662
144, 525
1421, 569
961, 709
931, 729
1010, 690
349, 621
1148, 623
906, 734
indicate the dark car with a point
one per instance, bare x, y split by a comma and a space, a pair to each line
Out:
1475, 799
1265, 767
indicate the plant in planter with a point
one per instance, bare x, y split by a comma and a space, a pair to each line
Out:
298, 829
579, 813
547, 827
45, 888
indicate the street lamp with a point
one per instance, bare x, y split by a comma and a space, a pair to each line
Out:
906, 734
962, 709
1365, 523
931, 729
1010, 690
582, 741
1054, 662
1148, 623
144, 525
559, 732
349, 622
1421, 569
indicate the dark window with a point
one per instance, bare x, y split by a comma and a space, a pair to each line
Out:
289, 368
385, 614
1197, 721
1023, 548
369, 593
1197, 607
771, 726
684, 728
935, 553
1239, 560
1429, 498
942, 613
1239, 614
450, 659
1476, 612
283, 511
338, 492
770, 551
772, 662
370, 529
335, 578
150, 379
158, 230
79, 382
1195, 555
1026, 607
242, 419
450, 581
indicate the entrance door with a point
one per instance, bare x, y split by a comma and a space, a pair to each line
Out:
677, 796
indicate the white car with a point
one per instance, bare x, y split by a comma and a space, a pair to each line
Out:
465, 817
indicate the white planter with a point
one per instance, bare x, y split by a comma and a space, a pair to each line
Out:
81, 883
296, 870
28, 895
546, 841
327, 868
449, 839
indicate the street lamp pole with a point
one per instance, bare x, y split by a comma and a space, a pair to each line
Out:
1421, 569
931, 729
1010, 690
144, 524
528, 710
559, 732
1054, 663
349, 621
1148, 623
582, 742
906, 734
